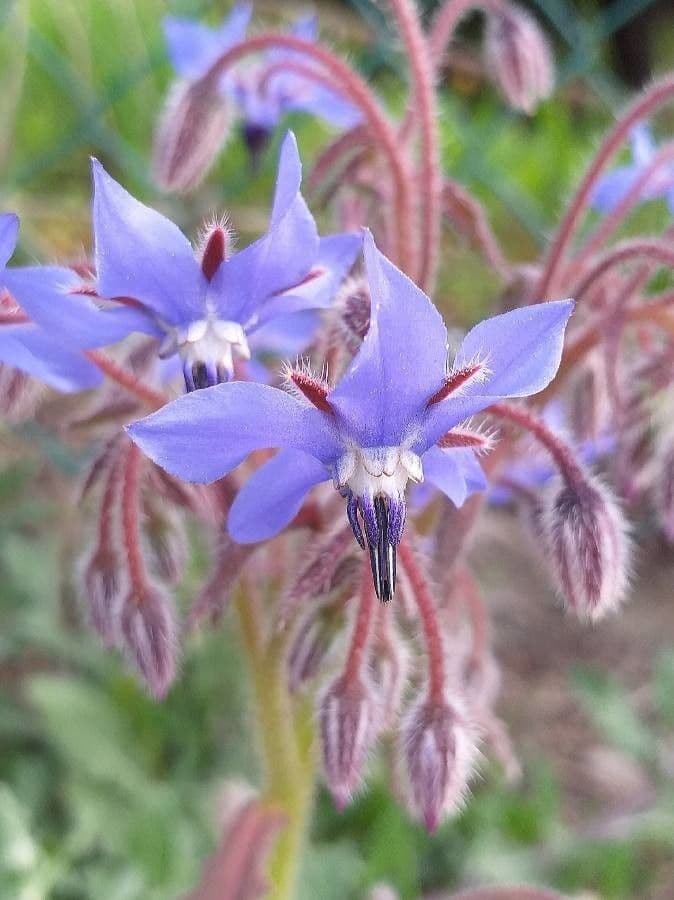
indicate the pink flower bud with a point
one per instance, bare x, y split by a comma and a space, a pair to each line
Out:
352, 307
348, 717
312, 640
102, 584
439, 748
518, 58
149, 633
167, 542
588, 546
192, 130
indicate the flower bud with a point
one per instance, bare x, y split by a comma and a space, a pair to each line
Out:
149, 633
352, 308
518, 57
192, 130
348, 717
588, 546
312, 641
439, 749
167, 542
102, 583
390, 672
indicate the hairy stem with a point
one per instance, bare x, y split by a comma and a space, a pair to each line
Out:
347, 82
124, 378
660, 93
429, 621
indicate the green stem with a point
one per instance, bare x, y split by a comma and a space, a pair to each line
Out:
285, 734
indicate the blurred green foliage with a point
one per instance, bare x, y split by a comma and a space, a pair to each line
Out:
104, 794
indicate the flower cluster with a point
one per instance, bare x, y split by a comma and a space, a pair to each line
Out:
323, 408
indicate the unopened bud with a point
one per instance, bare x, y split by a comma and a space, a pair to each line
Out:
439, 748
167, 542
519, 58
348, 717
103, 583
312, 641
588, 545
193, 128
352, 308
149, 632
19, 395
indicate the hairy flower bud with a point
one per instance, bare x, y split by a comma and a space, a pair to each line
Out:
102, 584
518, 58
192, 130
352, 308
390, 672
312, 641
167, 542
439, 750
148, 630
588, 546
348, 716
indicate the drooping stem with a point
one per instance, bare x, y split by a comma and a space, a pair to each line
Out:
355, 89
423, 99
657, 251
429, 622
660, 93
130, 523
560, 451
124, 378
362, 630
612, 221
448, 17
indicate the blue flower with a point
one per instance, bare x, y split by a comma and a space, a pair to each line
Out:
23, 344
612, 189
262, 91
382, 425
210, 310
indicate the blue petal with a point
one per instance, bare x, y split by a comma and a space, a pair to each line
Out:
323, 103
285, 335
44, 292
670, 199
143, 255
272, 497
279, 259
9, 232
336, 255
642, 144
613, 187
456, 473
522, 350
28, 348
306, 27
401, 362
203, 435
193, 47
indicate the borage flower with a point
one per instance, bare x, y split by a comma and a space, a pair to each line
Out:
385, 423
613, 187
209, 308
23, 344
262, 91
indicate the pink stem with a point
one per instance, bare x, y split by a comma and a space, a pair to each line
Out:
130, 523
448, 17
362, 630
660, 93
560, 451
107, 365
349, 142
355, 89
611, 222
424, 101
429, 621
658, 251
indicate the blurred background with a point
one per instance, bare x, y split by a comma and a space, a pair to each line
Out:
104, 794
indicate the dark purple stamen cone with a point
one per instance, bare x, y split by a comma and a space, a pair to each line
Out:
384, 520
439, 752
588, 546
149, 632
